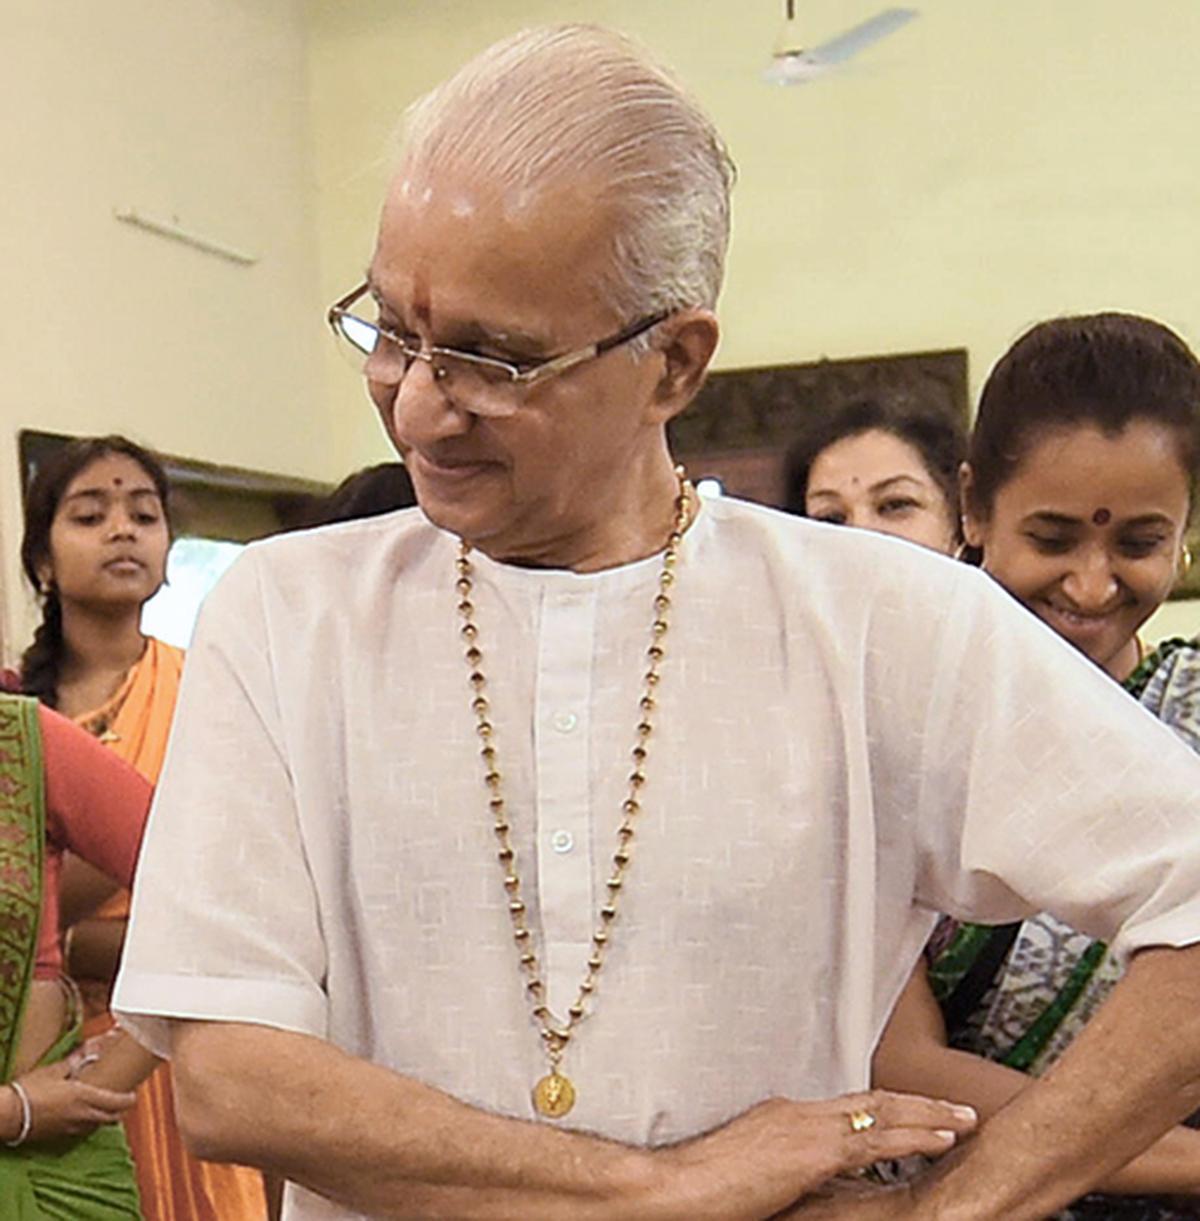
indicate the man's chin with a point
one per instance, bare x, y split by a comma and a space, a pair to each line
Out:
467, 522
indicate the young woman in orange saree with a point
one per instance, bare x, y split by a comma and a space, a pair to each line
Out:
95, 545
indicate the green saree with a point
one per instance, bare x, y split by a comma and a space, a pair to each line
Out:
87, 1178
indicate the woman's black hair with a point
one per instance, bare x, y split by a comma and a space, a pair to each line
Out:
936, 436
42, 661
1105, 370
370, 492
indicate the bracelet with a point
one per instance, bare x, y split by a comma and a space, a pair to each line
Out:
80, 1060
26, 1115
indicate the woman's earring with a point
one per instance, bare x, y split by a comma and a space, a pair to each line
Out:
960, 552
1185, 561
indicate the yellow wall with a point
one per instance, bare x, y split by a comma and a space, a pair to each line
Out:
993, 163
1173, 619
195, 110
990, 164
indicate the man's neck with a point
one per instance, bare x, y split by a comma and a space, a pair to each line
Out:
623, 529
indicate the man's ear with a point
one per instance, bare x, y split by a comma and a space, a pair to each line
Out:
686, 342
972, 523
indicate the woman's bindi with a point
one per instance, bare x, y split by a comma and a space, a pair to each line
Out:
1101, 517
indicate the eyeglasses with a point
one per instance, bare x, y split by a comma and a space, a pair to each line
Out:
483, 385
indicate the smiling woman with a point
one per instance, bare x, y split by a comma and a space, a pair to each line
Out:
1077, 493
1079, 483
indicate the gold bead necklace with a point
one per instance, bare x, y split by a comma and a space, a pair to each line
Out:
554, 1094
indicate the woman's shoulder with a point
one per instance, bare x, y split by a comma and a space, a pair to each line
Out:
1166, 653
1173, 660
1170, 687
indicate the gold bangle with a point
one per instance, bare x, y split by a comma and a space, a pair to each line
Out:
68, 943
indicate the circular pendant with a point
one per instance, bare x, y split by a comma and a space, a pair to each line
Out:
554, 1095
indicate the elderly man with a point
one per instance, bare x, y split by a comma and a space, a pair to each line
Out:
532, 855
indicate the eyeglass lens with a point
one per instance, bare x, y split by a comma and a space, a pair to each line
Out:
479, 389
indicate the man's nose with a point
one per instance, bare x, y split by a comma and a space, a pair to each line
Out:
1091, 583
419, 411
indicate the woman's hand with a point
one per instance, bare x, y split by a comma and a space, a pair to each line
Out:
60, 1105
113, 1060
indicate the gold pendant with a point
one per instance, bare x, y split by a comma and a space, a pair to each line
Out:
554, 1095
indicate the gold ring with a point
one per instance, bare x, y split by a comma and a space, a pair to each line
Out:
861, 1121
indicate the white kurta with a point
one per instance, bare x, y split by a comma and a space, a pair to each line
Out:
851, 734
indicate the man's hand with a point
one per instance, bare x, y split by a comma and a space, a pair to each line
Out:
779, 1152
298, 1106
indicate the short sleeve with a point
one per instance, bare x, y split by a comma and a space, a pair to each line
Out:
1046, 787
96, 804
225, 922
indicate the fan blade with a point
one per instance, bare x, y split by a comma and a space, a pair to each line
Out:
838, 50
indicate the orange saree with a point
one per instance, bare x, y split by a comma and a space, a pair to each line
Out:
174, 1186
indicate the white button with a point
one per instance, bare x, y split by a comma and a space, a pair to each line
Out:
562, 841
564, 722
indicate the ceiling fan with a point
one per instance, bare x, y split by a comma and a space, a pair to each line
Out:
793, 65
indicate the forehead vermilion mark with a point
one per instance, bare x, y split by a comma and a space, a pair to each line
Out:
422, 305
1101, 517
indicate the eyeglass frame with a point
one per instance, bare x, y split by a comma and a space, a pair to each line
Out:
529, 373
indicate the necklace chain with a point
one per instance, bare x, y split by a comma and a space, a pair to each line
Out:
554, 1095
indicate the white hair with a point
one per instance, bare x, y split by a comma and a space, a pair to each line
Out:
572, 102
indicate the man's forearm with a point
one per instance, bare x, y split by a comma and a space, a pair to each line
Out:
1128, 1078
390, 1147
382, 1144
914, 1061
